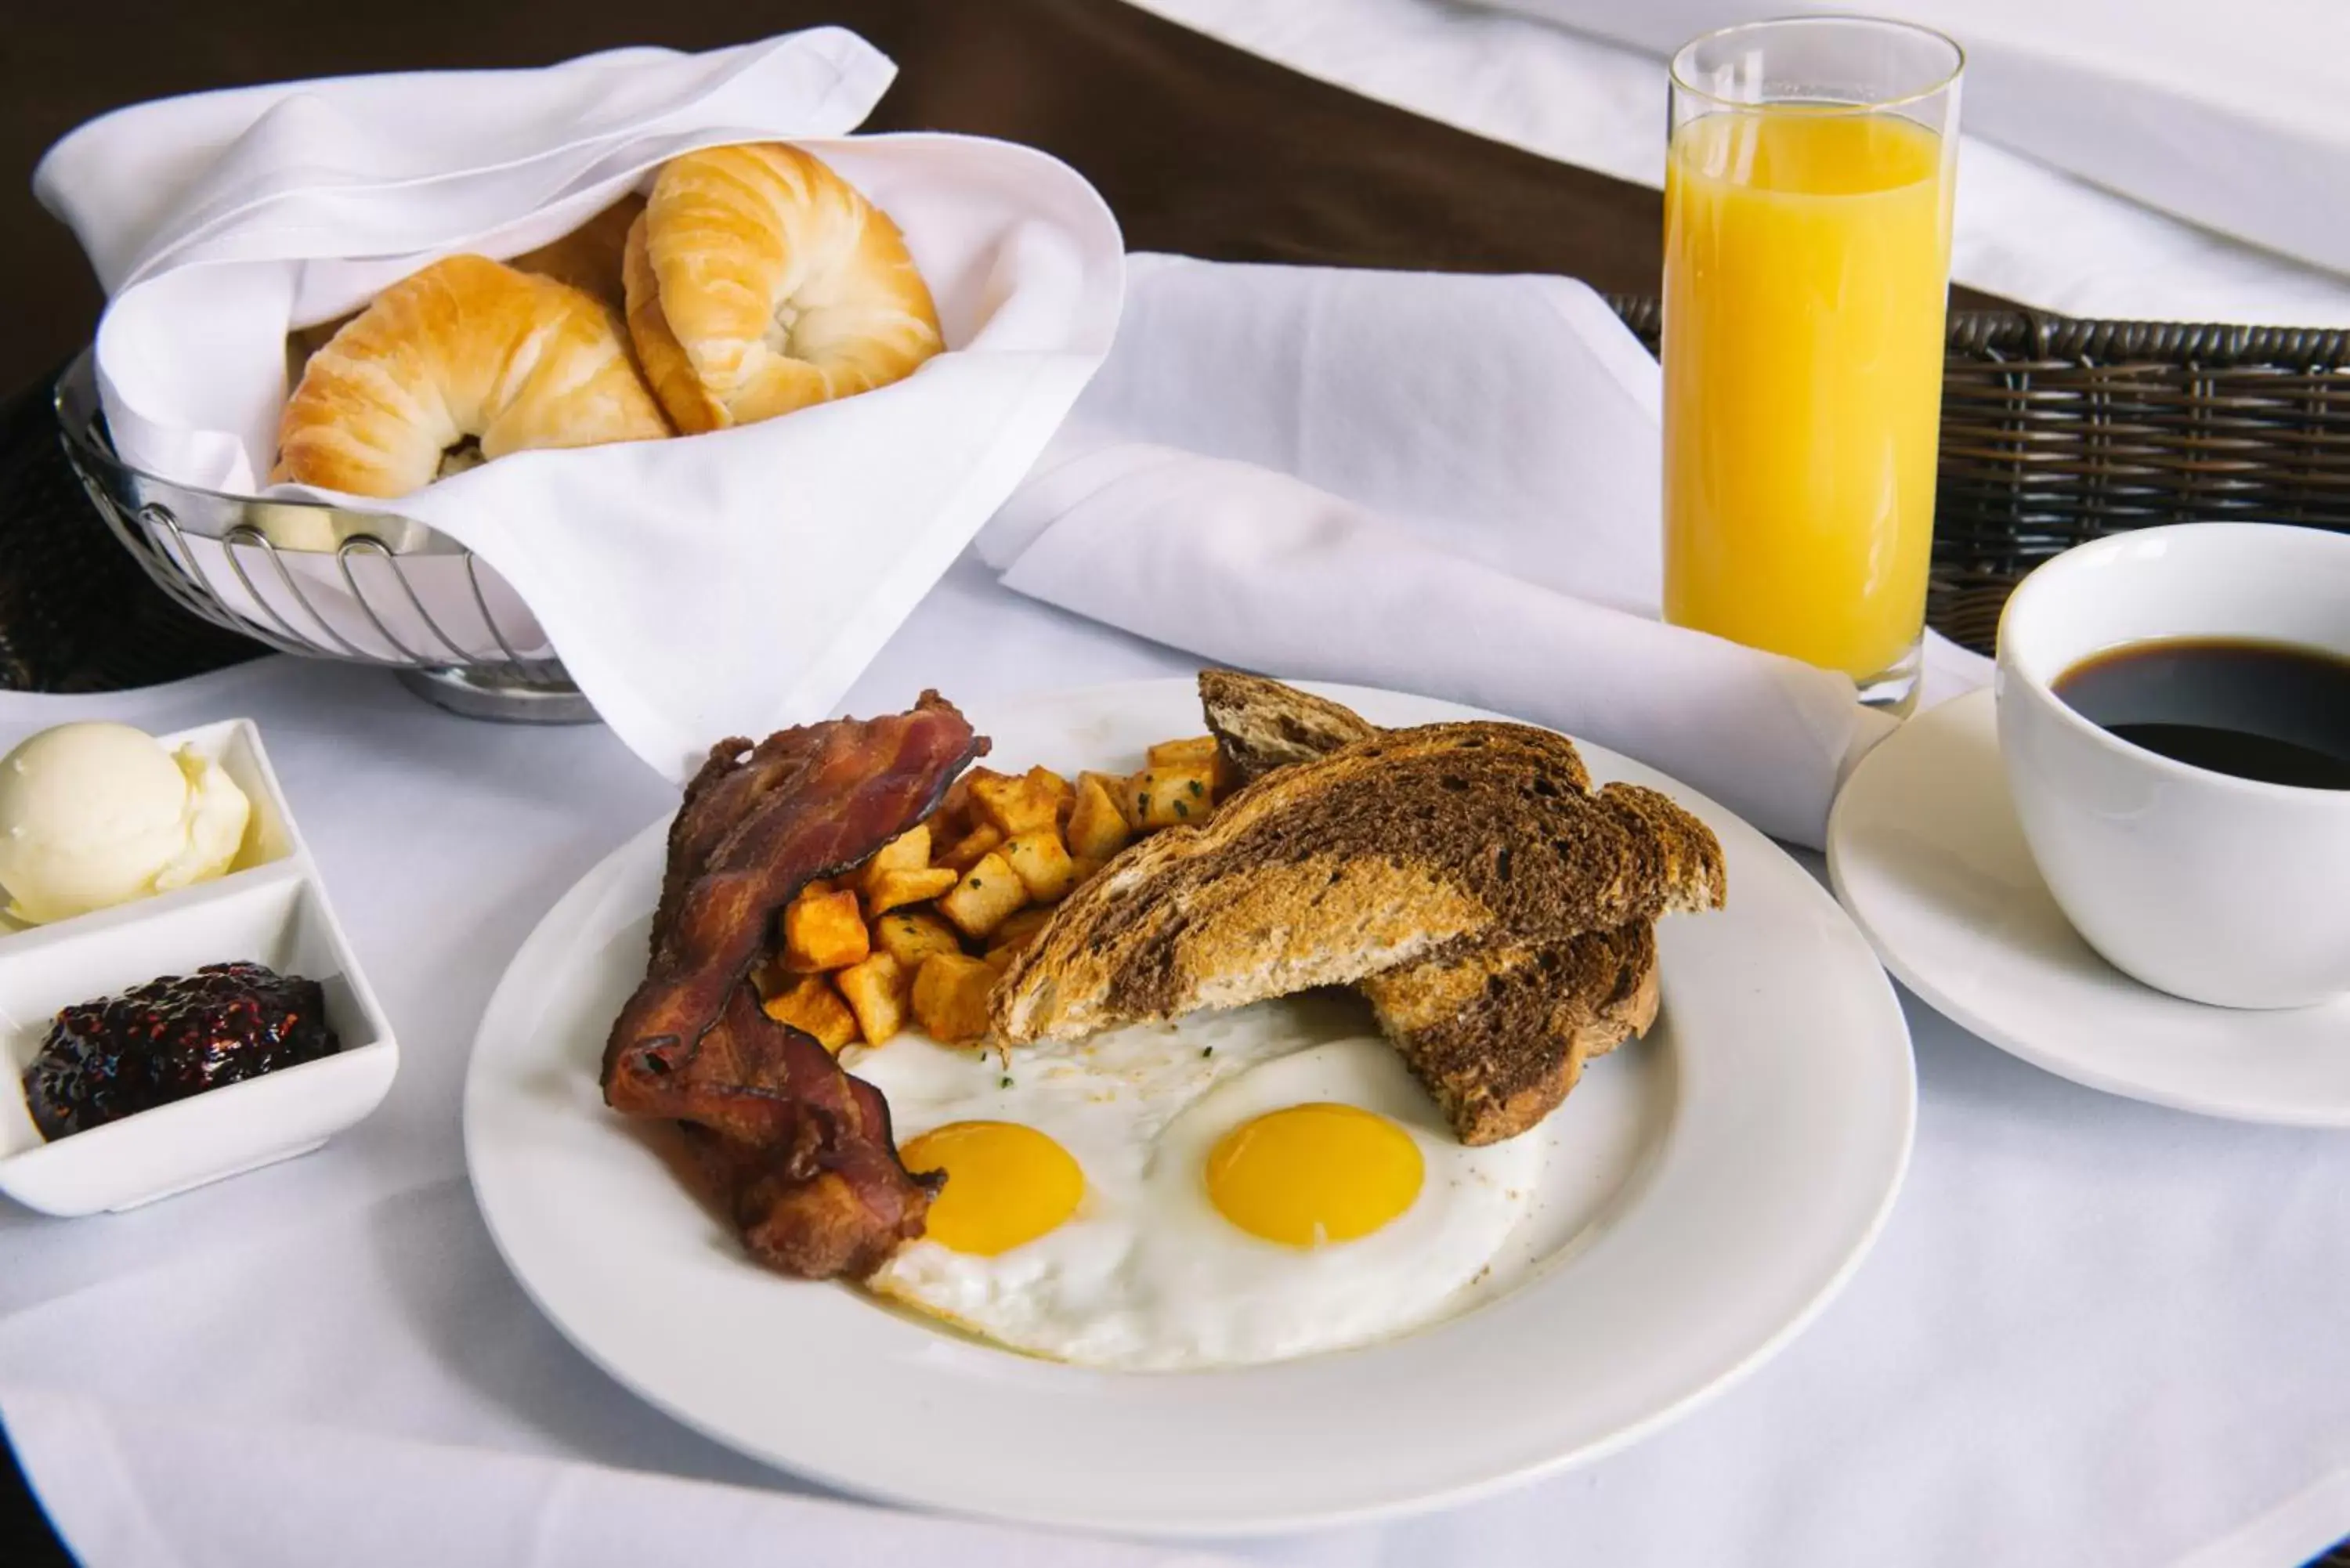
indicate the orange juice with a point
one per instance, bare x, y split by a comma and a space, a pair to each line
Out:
1806, 258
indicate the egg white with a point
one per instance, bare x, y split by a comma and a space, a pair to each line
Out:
1147, 1274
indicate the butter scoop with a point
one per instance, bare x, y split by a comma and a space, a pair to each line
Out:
94, 814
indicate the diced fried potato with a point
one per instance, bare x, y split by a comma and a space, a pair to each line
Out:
956, 803
1085, 867
909, 936
877, 991
1014, 806
952, 818
1041, 861
950, 997
895, 889
1163, 797
989, 891
1098, 829
1112, 786
812, 1006
823, 931
909, 851
1064, 795
1227, 777
1017, 932
772, 980
1181, 753
964, 853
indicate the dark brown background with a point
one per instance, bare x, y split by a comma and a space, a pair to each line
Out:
1199, 148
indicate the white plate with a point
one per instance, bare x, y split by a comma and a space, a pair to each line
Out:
271, 909
1925, 850
1710, 1189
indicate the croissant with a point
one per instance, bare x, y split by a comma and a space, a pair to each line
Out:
588, 258
758, 282
465, 360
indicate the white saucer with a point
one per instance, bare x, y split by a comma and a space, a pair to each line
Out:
1925, 852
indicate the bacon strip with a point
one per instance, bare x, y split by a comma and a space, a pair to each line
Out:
801, 1150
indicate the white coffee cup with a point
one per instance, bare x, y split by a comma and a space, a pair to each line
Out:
2217, 888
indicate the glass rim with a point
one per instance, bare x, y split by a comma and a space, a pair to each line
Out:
1682, 84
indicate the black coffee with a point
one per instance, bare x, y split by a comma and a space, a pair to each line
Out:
2262, 711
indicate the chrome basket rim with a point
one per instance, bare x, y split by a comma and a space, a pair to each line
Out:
83, 425
156, 518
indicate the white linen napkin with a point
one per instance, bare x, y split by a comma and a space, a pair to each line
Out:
694, 587
1446, 485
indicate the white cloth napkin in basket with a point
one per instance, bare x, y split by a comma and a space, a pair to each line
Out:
1439, 484
696, 587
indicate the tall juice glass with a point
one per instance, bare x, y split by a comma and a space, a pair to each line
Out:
1807, 259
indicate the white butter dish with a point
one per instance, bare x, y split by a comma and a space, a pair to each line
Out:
271, 909
269, 836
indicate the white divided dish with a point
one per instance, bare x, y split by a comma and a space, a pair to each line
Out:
271, 909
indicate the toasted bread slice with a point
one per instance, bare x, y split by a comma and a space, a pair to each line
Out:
1261, 724
1425, 843
1499, 1036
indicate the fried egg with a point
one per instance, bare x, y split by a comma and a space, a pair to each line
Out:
1242, 1188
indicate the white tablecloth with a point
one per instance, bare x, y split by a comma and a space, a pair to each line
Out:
2094, 1331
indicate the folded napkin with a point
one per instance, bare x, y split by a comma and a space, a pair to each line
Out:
715, 585
1445, 484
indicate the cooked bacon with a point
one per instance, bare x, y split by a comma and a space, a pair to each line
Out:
801, 1149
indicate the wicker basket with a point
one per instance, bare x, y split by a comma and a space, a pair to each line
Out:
76, 611
2056, 431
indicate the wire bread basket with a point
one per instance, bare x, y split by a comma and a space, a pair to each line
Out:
310, 578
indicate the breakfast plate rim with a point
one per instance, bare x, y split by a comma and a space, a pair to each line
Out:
1860, 1220
2289, 1105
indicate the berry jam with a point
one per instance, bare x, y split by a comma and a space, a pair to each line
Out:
171, 1038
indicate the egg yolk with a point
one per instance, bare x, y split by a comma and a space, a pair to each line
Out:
1006, 1184
1305, 1175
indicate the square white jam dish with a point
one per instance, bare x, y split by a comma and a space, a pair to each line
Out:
268, 908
